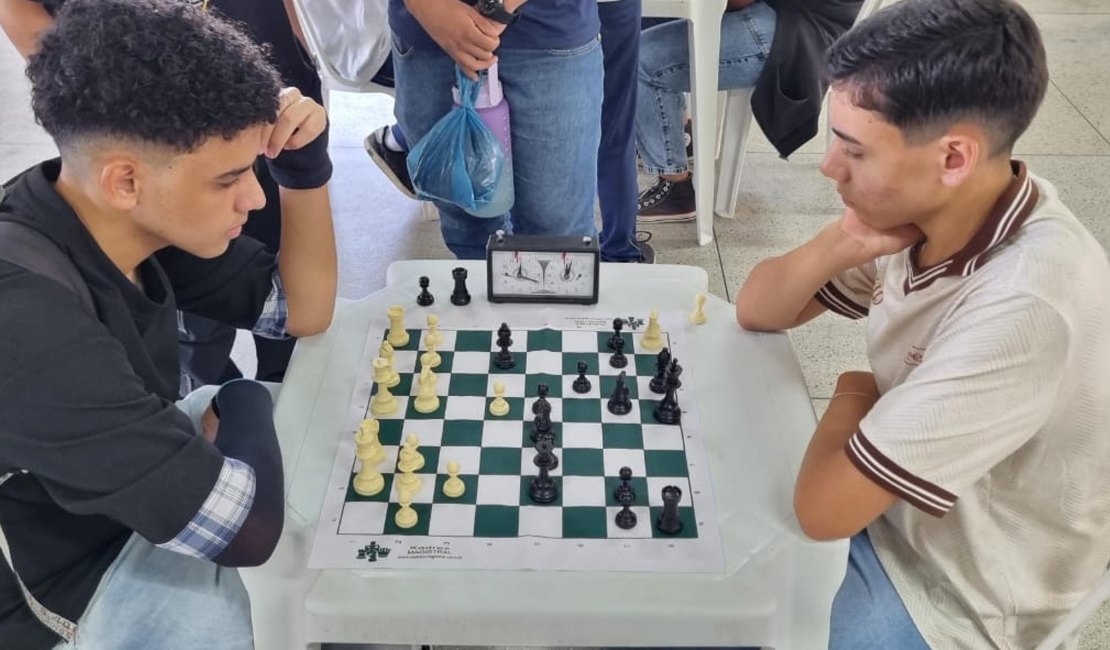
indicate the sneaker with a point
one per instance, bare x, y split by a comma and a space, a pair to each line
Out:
394, 164
667, 202
647, 251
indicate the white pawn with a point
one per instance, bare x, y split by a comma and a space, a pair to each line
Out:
698, 317
499, 406
398, 336
434, 337
408, 481
406, 517
409, 459
383, 403
653, 336
453, 487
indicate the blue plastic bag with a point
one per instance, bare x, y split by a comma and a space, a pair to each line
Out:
459, 160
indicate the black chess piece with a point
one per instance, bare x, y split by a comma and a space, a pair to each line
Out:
424, 298
582, 384
625, 487
626, 519
541, 408
675, 370
618, 325
460, 296
619, 403
617, 359
503, 359
543, 489
667, 410
669, 521
662, 362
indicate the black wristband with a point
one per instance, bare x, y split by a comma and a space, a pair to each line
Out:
303, 169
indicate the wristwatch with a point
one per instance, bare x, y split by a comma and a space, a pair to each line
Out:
495, 10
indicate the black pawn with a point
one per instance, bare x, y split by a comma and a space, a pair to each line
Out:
619, 403
669, 522
617, 359
460, 296
424, 298
543, 489
504, 359
618, 325
662, 362
626, 519
667, 410
625, 487
582, 384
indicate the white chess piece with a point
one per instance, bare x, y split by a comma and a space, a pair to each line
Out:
653, 336
383, 403
408, 481
398, 336
367, 434
386, 352
698, 317
406, 517
426, 399
434, 337
409, 459
499, 406
453, 487
386, 374
369, 481
430, 357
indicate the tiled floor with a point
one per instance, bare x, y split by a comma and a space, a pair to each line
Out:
785, 201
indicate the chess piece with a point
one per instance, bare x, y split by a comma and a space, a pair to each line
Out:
424, 298
619, 403
434, 337
426, 399
460, 296
675, 370
409, 458
543, 488
398, 336
453, 487
662, 361
653, 336
430, 357
386, 352
499, 407
367, 434
582, 384
408, 481
386, 374
698, 317
626, 519
669, 521
383, 403
618, 325
406, 517
504, 359
618, 359
541, 409
667, 410
625, 486
369, 481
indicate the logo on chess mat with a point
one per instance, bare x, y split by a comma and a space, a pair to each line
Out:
372, 551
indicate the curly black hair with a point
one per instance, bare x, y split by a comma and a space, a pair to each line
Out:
155, 71
926, 64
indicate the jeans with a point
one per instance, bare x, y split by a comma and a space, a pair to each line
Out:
746, 37
616, 158
555, 102
867, 613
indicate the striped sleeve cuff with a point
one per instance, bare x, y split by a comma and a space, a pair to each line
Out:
275, 312
833, 298
916, 491
219, 519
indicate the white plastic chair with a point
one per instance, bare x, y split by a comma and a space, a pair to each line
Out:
1066, 633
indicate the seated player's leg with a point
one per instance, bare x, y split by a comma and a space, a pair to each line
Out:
867, 612
555, 98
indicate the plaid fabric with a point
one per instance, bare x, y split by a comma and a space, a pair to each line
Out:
221, 516
275, 313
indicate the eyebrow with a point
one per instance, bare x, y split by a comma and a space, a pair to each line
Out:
847, 138
234, 172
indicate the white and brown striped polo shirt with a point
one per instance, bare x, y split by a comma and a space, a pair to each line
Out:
994, 421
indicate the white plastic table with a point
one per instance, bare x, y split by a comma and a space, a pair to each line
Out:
777, 586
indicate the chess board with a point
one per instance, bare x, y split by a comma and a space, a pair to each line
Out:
494, 524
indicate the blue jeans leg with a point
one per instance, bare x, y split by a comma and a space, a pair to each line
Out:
867, 613
555, 105
616, 158
746, 37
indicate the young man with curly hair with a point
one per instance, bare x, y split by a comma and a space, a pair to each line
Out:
971, 466
123, 522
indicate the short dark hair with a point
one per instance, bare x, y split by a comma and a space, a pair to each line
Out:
926, 64
154, 71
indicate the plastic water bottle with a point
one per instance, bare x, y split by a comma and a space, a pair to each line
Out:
493, 109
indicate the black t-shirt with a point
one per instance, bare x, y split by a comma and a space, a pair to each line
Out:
87, 405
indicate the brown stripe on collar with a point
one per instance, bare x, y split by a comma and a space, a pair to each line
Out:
1006, 216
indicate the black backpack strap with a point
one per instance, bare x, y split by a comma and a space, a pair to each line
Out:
28, 248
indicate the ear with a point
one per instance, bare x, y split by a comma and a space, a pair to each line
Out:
120, 181
962, 150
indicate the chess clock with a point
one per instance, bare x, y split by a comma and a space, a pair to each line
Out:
542, 269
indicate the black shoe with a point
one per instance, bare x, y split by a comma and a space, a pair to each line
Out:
647, 251
667, 202
394, 164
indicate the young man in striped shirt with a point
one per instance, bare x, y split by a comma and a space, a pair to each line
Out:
971, 466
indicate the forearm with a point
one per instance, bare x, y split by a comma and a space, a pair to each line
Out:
307, 261
779, 288
23, 21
